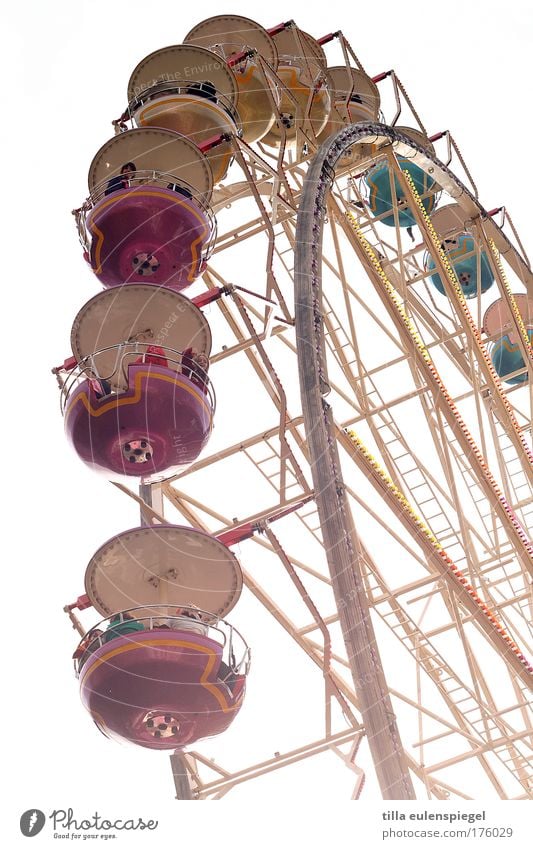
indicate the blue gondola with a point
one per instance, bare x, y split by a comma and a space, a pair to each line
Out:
378, 181
460, 251
507, 358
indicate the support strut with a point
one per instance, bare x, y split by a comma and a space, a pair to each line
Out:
341, 541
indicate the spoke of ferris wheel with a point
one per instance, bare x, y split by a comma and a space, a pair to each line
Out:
367, 409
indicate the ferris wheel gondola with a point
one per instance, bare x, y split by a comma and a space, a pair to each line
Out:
507, 347
137, 402
163, 669
252, 55
147, 218
189, 90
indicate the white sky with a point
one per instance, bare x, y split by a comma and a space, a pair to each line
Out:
466, 66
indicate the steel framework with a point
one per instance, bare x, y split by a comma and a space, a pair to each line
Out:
388, 508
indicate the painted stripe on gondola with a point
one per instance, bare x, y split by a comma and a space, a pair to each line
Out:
117, 401
373, 193
166, 101
294, 82
212, 656
463, 249
456, 253
245, 77
223, 157
100, 236
506, 343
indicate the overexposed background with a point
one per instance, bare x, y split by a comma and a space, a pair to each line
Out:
466, 66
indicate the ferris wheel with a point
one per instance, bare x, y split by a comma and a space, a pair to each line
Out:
268, 229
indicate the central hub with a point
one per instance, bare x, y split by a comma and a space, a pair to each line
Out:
287, 119
138, 451
161, 725
145, 264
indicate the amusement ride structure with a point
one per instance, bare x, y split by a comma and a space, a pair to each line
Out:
271, 221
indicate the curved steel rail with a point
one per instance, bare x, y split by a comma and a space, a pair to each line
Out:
341, 542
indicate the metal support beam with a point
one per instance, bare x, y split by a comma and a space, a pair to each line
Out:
180, 774
341, 541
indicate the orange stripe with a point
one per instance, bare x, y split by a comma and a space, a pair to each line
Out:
222, 153
182, 644
246, 77
100, 236
292, 79
506, 343
165, 101
460, 251
373, 193
122, 402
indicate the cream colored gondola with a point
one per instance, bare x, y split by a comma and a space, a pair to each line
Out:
189, 90
305, 97
231, 36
